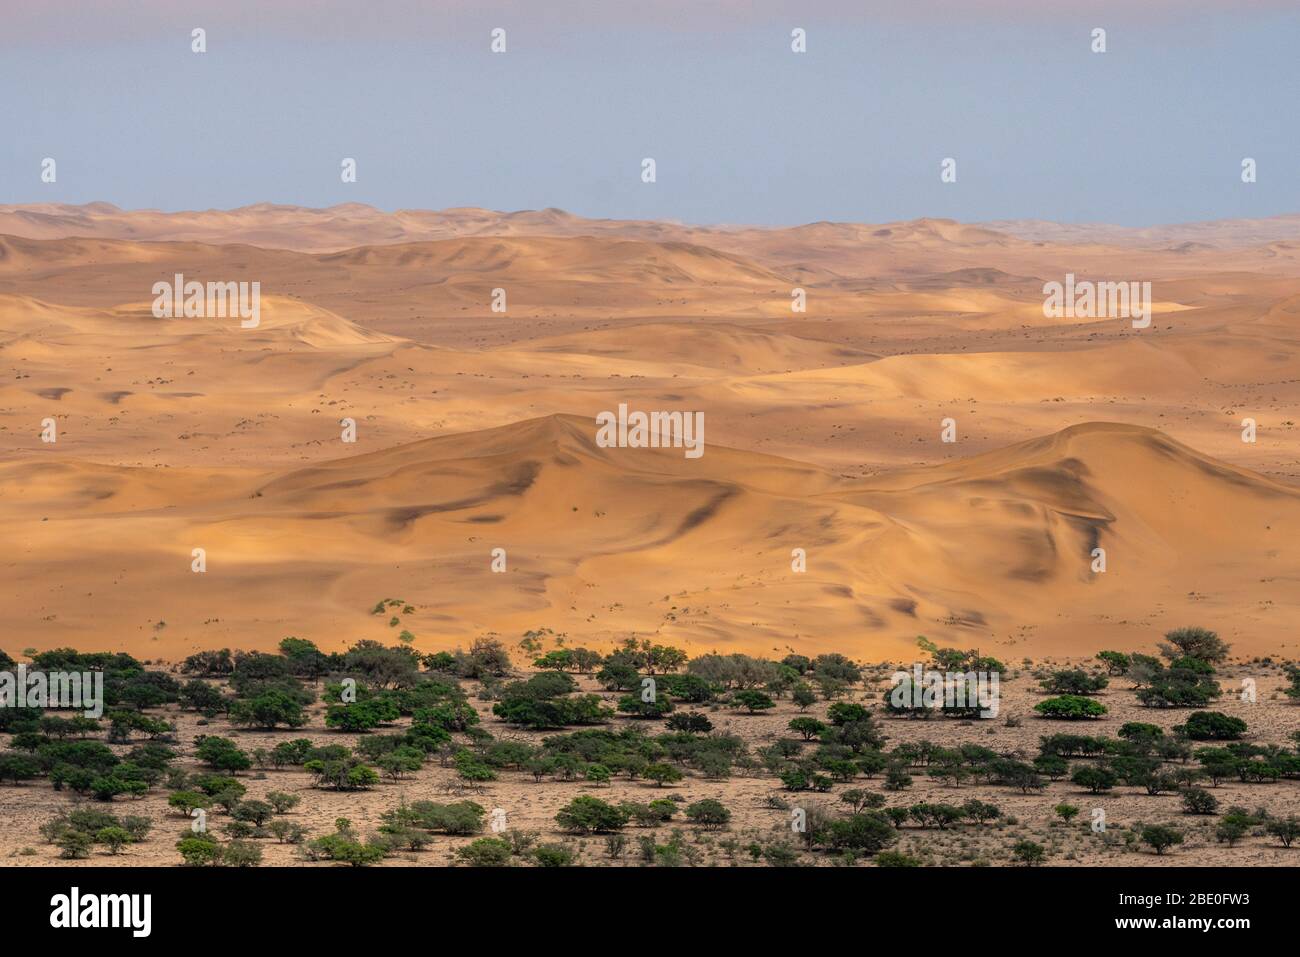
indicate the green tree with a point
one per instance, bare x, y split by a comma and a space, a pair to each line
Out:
1161, 837
115, 838
1198, 643
896, 859
690, 722
1066, 812
662, 774
1117, 663
344, 848
710, 814
860, 799
1070, 707
633, 704
254, 812
753, 701
1199, 801
1285, 830
552, 855
589, 815
74, 844
897, 778
16, 767
809, 728
1095, 779
486, 852
268, 710
980, 812
199, 850
241, 854
803, 696
187, 801
1213, 726
362, 715
1073, 681
1029, 853
282, 802
222, 754
863, 833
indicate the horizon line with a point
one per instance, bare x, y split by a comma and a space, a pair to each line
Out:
615, 219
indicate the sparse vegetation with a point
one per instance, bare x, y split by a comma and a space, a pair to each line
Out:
837, 763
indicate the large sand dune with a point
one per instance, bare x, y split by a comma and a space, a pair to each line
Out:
602, 542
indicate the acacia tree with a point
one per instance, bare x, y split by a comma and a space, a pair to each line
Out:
267, 710
1161, 837
753, 701
1200, 644
1285, 830
709, 814
809, 728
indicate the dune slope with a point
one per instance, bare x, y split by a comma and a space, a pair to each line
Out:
602, 542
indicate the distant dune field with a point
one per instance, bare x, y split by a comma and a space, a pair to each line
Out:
476, 430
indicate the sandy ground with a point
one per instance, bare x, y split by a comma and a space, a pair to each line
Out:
475, 431
531, 807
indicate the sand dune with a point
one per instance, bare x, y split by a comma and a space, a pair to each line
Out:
1188, 237
823, 432
607, 541
715, 346
824, 250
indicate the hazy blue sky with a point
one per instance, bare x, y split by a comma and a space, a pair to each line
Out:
742, 129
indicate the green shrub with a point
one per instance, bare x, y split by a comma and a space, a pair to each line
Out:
343, 847
222, 754
662, 774
1161, 837
1073, 681
74, 844
1029, 853
486, 852
865, 833
461, 818
282, 802
241, 854
585, 814
199, 850
1095, 779
1066, 812
1070, 707
1285, 830
1199, 801
1213, 726
115, 838
753, 701
553, 855
709, 814
896, 859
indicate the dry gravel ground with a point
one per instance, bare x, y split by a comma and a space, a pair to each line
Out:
531, 806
